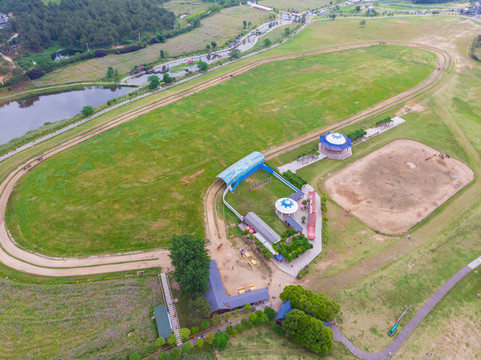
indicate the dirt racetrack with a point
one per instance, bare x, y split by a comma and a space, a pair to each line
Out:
398, 185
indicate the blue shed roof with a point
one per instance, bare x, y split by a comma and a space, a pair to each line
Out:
293, 224
285, 308
164, 328
335, 141
242, 167
296, 196
218, 299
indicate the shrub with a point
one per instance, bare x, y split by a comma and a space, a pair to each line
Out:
244, 322
172, 340
209, 338
135, 356
184, 333
294, 179
87, 111
237, 311
175, 353
215, 319
227, 316
253, 317
229, 329
164, 356
264, 251
187, 347
273, 325
258, 243
100, 53
356, 134
269, 256
270, 312
205, 324
220, 340
247, 307
194, 330
200, 343
240, 328
159, 342
249, 325
34, 74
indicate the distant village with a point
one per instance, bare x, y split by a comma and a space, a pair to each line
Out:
475, 9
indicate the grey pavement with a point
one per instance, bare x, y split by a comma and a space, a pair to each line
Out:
411, 325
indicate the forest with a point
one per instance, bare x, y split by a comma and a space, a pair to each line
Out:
73, 23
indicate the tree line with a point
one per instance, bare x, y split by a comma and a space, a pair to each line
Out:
74, 23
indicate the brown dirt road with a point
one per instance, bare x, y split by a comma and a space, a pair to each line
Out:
30, 262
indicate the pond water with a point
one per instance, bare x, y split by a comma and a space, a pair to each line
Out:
21, 116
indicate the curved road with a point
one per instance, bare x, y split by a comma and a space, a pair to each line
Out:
411, 325
30, 262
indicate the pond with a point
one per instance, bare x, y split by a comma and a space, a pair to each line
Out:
18, 117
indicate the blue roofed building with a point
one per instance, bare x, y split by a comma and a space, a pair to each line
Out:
242, 169
220, 302
285, 308
164, 327
335, 146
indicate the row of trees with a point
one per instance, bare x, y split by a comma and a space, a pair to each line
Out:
74, 23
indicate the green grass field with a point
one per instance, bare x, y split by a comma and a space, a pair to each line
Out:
220, 28
124, 189
85, 320
185, 6
260, 199
301, 5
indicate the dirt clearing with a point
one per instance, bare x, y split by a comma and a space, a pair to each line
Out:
395, 187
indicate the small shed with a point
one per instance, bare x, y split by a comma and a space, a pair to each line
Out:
285, 308
164, 327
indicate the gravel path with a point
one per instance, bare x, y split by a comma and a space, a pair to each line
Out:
411, 325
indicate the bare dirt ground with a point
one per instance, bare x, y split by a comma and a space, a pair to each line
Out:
397, 186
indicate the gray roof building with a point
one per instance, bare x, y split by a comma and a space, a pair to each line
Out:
261, 227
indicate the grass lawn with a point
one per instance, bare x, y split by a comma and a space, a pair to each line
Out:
124, 189
220, 28
85, 320
260, 199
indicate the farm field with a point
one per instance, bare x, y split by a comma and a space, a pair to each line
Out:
123, 190
219, 28
300, 5
85, 320
260, 199
185, 6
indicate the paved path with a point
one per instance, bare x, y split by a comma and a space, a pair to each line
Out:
412, 324
174, 320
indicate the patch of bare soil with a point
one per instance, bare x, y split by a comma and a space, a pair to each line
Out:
411, 106
188, 179
395, 187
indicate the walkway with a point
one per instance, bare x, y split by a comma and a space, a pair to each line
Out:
174, 320
412, 324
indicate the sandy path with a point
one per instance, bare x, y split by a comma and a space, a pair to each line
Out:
27, 261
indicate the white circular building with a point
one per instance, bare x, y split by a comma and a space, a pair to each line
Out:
335, 146
286, 207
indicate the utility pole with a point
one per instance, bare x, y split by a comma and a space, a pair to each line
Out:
87, 47
139, 37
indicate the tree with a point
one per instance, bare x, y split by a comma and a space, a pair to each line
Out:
207, 46
317, 305
191, 261
200, 343
199, 309
220, 340
245, 24
227, 316
167, 79
270, 312
184, 333
110, 72
164, 356
214, 44
267, 42
135, 356
187, 347
287, 31
209, 339
159, 342
160, 37
172, 340
215, 319
333, 16
162, 54
362, 23
175, 353
202, 66
87, 111
153, 81
194, 330
235, 54
247, 307
205, 324
358, 8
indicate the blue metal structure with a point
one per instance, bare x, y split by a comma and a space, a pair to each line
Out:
235, 172
343, 141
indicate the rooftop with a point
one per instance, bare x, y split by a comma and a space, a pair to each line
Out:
218, 299
241, 167
164, 327
335, 141
260, 226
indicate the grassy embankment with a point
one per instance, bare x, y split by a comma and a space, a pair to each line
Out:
125, 189
219, 28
